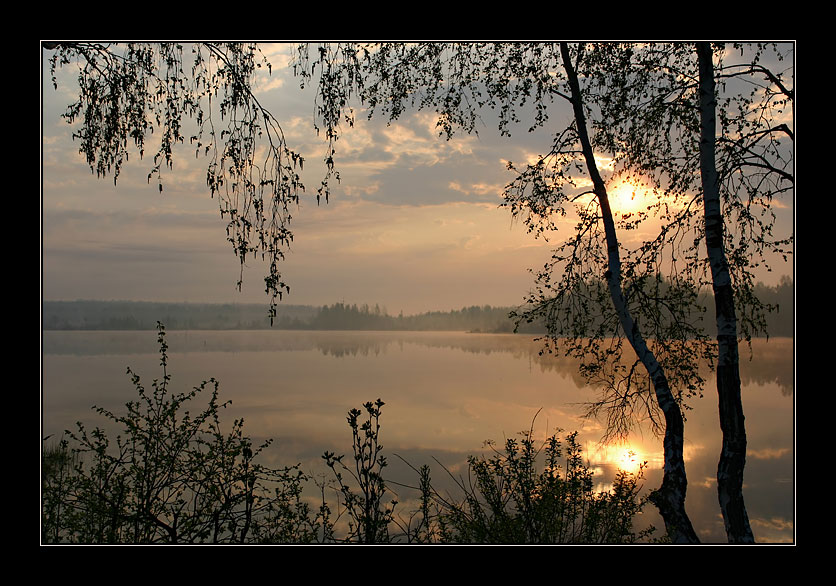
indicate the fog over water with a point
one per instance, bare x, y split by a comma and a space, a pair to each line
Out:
445, 393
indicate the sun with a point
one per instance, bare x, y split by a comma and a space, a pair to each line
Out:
627, 198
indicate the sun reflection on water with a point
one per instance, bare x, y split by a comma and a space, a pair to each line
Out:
627, 457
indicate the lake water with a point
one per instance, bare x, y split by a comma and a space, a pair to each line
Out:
445, 393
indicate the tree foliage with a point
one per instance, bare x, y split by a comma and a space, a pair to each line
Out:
156, 96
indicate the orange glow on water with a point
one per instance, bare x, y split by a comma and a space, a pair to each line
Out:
627, 457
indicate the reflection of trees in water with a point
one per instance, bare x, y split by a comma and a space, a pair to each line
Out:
352, 348
771, 360
771, 363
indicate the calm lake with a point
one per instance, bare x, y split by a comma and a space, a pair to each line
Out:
445, 394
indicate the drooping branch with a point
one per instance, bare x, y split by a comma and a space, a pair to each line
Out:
127, 94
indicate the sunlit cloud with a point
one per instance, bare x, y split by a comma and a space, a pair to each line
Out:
706, 482
774, 523
480, 189
773, 529
407, 145
272, 83
415, 220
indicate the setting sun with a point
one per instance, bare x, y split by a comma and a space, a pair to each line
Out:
626, 198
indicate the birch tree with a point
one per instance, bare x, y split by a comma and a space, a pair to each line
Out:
712, 123
733, 455
670, 498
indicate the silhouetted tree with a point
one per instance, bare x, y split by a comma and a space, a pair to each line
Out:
638, 105
711, 123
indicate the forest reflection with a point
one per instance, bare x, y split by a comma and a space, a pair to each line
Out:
768, 361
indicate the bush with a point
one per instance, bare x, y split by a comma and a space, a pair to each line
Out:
507, 500
174, 477
368, 514
169, 477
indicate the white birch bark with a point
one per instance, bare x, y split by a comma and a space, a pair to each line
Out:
733, 453
670, 497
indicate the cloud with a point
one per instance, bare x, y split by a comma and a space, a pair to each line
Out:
406, 163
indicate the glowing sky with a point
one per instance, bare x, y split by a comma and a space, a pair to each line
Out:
415, 224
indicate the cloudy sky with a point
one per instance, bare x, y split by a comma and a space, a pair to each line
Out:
415, 224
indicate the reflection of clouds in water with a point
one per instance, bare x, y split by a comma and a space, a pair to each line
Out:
706, 482
773, 530
769, 454
692, 450
445, 393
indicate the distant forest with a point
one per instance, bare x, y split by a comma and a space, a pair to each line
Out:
141, 315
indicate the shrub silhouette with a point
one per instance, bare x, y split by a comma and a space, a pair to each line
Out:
509, 498
171, 476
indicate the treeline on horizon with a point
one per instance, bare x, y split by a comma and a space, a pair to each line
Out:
143, 315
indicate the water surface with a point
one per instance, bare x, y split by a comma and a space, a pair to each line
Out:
445, 393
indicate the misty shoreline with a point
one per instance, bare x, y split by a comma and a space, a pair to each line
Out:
89, 315
142, 316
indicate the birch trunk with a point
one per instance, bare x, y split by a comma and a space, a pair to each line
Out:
670, 497
733, 453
